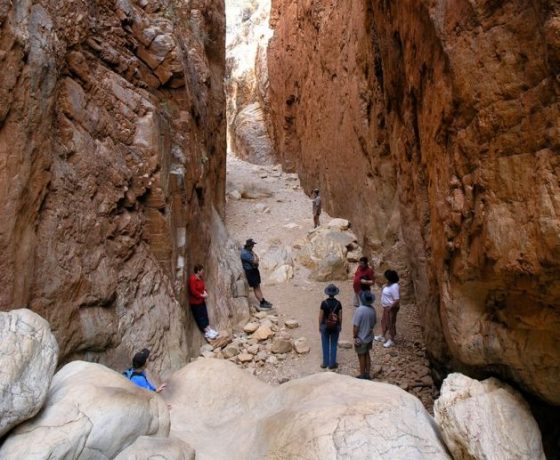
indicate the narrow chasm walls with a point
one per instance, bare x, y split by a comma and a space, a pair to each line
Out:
249, 126
112, 147
328, 114
432, 126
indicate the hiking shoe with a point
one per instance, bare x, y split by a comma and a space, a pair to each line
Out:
389, 343
323, 366
211, 334
266, 303
379, 338
265, 306
334, 366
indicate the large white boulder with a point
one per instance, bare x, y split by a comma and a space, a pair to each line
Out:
28, 357
153, 448
91, 412
325, 253
223, 412
486, 420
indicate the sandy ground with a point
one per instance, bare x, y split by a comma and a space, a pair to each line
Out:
404, 365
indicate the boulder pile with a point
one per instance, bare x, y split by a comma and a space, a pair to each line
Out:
213, 408
266, 340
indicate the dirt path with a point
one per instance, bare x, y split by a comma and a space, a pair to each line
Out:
285, 217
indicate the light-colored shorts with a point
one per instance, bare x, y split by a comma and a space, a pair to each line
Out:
363, 348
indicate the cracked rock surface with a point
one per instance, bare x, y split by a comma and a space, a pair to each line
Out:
28, 358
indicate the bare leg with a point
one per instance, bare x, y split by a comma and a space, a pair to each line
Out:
362, 361
258, 293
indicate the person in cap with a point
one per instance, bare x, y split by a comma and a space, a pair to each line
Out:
137, 373
197, 301
363, 323
363, 280
250, 262
316, 206
330, 324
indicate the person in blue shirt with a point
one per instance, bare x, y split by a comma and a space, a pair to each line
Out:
137, 373
250, 262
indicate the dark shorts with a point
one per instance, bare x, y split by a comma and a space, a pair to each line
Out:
253, 277
364, 348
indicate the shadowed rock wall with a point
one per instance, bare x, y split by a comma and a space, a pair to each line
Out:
451, 108
112, 158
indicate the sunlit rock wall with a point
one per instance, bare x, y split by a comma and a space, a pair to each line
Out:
438, 121
248, 34
112, 158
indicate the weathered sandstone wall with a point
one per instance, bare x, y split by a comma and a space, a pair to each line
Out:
248, 34
112, 159
435, 124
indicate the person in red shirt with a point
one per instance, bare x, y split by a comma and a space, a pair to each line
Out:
197, 300
363, 279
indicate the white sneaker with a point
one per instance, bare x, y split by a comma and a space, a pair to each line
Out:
211, 334
379, 338
389, 343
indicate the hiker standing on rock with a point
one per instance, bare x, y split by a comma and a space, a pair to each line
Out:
363, 280
330, 324
250, 262
316, 201
197, 301
390, 301
363, 323
137, 373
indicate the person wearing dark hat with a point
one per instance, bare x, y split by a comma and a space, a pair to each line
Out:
363, 323
316, 206
250, 262
330, 324
137, 373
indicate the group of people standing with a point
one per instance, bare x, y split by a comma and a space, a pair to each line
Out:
364, 318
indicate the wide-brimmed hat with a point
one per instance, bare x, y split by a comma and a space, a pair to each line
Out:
250, 242
331, 290
367, 298
140, 358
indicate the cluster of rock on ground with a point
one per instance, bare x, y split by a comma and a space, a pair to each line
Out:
264, 341
212, 409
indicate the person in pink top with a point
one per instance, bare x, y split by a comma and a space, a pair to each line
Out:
363, 280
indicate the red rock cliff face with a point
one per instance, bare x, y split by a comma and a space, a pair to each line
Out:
112, 157
451, 107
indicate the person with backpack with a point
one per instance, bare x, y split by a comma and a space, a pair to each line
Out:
330, 324
137, 373
363, 323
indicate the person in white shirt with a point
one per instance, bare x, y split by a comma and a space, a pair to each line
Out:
390, 301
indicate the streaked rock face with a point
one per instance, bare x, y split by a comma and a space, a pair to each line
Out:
432, 126
28, 359
112, 147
